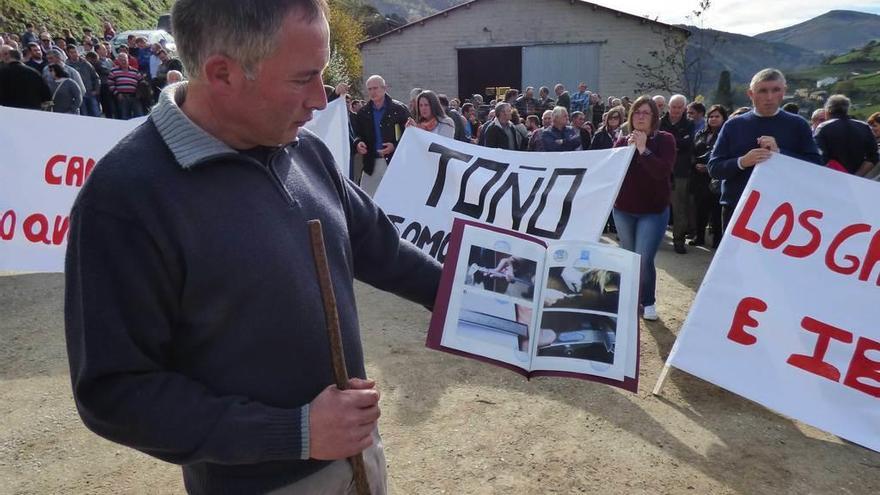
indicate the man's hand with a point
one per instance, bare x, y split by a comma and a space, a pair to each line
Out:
755, 156
341, 89
362, 148
341, 422
768, 143
701, 167
387, 149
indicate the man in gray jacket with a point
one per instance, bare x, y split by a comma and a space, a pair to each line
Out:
90, 81
54, 57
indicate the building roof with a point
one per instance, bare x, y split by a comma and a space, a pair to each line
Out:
468, 4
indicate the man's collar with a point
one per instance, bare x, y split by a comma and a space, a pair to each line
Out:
189, 143
755, 111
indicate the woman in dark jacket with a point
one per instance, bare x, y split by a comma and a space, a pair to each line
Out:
641, 211
706, 200
607, 133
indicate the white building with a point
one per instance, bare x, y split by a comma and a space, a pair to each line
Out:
518, 43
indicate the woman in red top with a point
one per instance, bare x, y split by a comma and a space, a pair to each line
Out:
641, 212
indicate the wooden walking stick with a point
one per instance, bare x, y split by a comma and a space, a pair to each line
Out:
336, 355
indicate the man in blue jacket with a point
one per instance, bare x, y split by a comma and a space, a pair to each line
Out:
752, 138
194, 323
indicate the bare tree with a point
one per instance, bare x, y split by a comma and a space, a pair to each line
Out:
678, 65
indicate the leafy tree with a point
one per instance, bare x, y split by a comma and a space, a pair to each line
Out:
346, 32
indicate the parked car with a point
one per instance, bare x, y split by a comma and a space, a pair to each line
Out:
152, 36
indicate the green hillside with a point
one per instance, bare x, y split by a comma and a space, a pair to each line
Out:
867, 53
858, 76
77, 14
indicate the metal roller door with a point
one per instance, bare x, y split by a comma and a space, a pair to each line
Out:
546, 65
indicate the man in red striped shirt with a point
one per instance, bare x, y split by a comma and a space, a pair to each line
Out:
123, 81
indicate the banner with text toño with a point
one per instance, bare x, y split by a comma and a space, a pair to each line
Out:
47, 157
786, 314
555, 196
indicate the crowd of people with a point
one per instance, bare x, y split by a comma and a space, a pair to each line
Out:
190, 292
84, 75
686, 172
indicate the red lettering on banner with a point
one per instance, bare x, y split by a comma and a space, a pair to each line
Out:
742, 318
739, 228
41, 235
59, 230
785, 212
843, 235
816, 364
77, 170
51, 176
863, 367
37, 230
872, 257
7, 225
815, 236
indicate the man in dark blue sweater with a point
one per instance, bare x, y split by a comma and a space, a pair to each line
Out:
751, 138
193, 317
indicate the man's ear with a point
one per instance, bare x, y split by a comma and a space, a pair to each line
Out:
222, 74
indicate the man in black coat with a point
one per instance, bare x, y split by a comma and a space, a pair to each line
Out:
22, 86
676, 123
848, 142
378, 127
500, 133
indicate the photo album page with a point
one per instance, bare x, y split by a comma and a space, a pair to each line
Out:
563, 309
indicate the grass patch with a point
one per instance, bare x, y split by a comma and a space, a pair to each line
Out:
77, 14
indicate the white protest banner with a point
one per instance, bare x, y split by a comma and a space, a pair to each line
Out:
331, 125
786, 314
45, 160
554, 196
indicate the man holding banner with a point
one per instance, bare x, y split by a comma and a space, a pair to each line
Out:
191, 312
753, 137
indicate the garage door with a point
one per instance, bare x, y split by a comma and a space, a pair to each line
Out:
546, 65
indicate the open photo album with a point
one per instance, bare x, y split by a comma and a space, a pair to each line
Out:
564, 308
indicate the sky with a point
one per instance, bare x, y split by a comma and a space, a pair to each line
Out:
748, 17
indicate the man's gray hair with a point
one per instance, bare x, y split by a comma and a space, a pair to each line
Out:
243, 30
767, 75
559, 111
502, 107
837, 105
376, 77
681, 98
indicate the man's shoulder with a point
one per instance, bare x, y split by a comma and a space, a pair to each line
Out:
398, 105
792, 119
138, 163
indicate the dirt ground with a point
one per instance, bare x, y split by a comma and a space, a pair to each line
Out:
453, 425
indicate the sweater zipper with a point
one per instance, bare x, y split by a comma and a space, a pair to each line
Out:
273, 176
